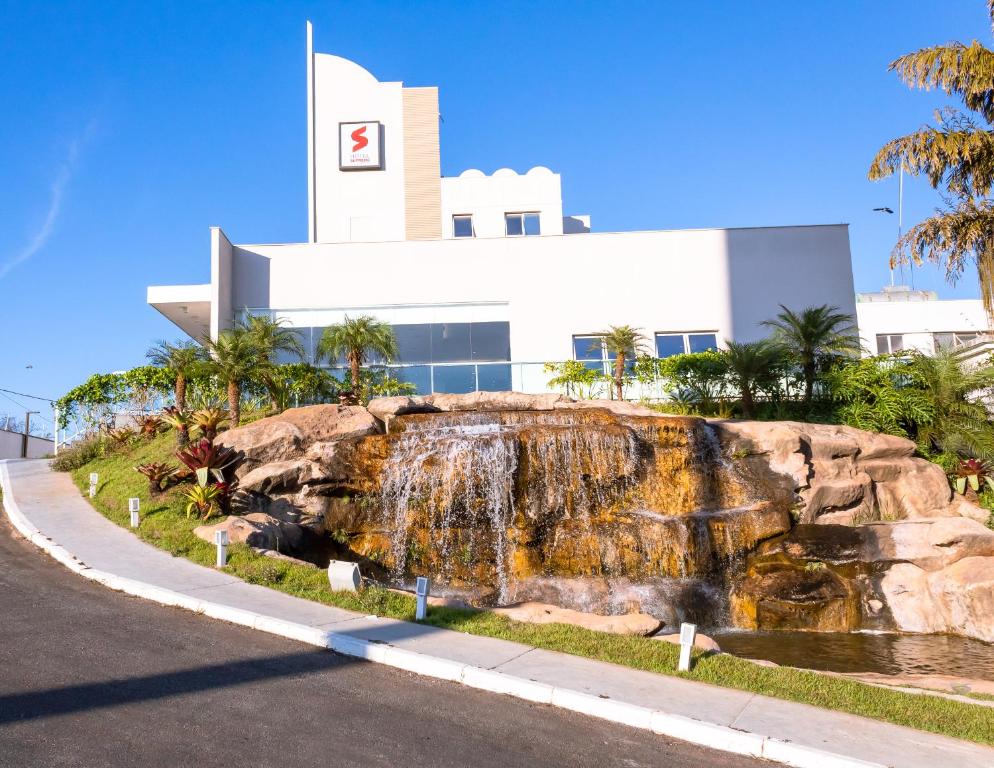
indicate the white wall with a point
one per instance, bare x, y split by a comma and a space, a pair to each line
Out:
488, 198
221, 282
727, 281
12, 442
366, 205
918, 320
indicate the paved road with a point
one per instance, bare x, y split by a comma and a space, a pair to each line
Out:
90, 677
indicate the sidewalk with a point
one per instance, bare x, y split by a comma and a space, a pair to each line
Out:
47, 508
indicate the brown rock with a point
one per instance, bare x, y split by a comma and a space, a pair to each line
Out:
495, 401
929, 544
279, 475
286, 436
541, 613
385, 408
256, 530
274, 555
617, 407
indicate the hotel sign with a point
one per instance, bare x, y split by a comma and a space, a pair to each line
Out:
359, 147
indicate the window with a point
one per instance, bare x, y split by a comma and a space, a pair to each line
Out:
462, 225
517, 224
594, 354
669, 344
887, 343
954, 339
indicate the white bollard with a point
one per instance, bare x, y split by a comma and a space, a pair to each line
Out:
688, 633
343, 575
221, 539
421, 594
93, 484
133, 505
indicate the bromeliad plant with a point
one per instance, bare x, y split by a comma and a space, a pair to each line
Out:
973, 473
180, 421
209, 421
148, 426
121, 437
158, 474
208, 461
204, 500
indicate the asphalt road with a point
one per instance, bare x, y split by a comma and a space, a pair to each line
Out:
91, 677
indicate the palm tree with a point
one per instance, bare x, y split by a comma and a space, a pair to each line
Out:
751, 366
271, 336
959, 422
182, 359
622, 341
234, 358
356, 340
813, 334
956, 154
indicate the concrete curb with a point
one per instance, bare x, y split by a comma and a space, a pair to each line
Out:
686, 729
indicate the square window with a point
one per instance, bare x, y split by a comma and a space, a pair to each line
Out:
418, 375
450, 343
702, 342
588, 348
513, 224
491, 341
413, 343
533, 225
883, 344
455, 379
462, 226
493, 378
669, 344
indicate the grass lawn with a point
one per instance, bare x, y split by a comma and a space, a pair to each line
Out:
165, 525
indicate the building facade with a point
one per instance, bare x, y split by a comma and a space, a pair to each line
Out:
898, 319
483, 277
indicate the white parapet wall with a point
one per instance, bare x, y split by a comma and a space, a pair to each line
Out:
12, 446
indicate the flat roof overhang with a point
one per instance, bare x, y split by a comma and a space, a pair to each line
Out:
187, 306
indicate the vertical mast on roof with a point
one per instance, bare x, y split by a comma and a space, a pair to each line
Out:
312, 225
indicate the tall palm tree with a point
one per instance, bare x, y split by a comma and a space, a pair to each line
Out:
956, 154
751, 366
234, 359
182, 359
623, 342
811, 335
271, 336
356, 340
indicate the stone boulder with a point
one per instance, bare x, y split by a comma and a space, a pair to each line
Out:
286, 436
385, 408
257, 530
958, 599
844, 475
541, 613
929, 544
495, 401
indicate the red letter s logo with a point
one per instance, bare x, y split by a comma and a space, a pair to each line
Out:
359, 137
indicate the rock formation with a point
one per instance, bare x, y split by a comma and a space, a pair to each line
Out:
613, 508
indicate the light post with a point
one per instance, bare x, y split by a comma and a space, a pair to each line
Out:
133, 506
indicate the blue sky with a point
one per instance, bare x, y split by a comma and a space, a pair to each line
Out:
131, 128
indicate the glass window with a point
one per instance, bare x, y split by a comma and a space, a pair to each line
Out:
588, 348
702, 342
455, 379
462, 225
493, 378
413, 343
491, 341
513, 225
450, 342
894, 342
418, 375
669, 344
533, 225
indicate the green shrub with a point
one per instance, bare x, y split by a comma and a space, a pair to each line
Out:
82, 452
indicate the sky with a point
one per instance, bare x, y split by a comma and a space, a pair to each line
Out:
131, 128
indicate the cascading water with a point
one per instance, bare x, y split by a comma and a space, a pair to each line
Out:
626, 511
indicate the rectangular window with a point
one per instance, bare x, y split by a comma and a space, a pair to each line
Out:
594, 354
493, 378
669, 344
455, 379
450, 343
518, 224
953, 340
491, 340
462, 225
888, 343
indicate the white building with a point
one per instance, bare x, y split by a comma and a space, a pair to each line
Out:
482, 276
898, 319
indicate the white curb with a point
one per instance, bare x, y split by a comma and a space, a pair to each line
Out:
685, 729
